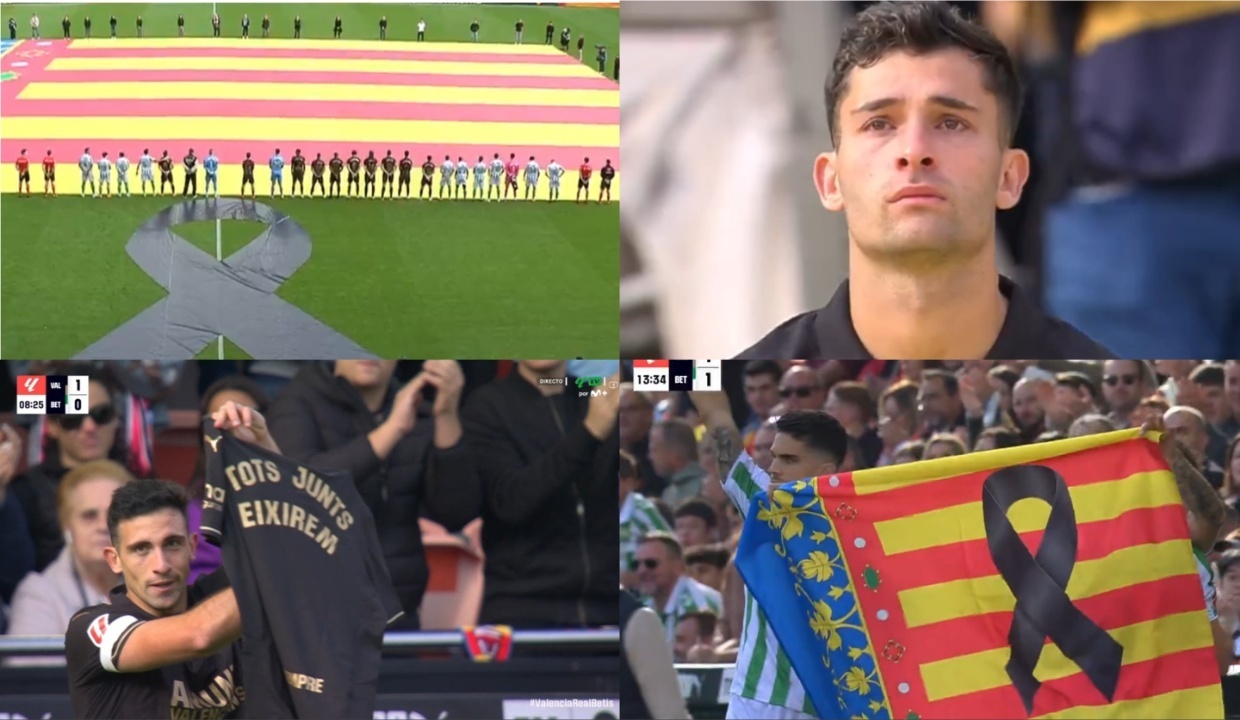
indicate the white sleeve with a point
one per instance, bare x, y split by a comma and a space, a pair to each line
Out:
116, 633
744, 481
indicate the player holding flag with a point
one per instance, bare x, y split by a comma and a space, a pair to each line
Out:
87, 164
445, 176
583, 184
480, 172
512, 169
105, 176
555, 171
532, 171
212, 166
49, 174
23, 173
276, 163
497, 171
122, 176
146, 170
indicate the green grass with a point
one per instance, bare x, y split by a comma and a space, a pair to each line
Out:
444, 23
234, 235
403, 279
231, 352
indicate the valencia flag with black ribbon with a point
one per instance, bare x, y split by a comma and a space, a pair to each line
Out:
1048, 580
300, 548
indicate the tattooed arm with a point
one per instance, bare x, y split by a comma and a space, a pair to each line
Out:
716, 412
1207, 511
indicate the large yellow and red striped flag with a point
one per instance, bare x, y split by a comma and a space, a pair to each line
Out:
1050, 580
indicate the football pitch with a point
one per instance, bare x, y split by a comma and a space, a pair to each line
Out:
451, 278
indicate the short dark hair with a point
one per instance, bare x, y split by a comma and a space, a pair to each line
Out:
920, 28
1076, 381
1005, 437
715, 554
628, 464
1209, 374
143, 497
857, 395
1005, 374
817, 430
680, 434
904, 393
705, 621
698, 508
764, 367
1226, 561
950, 383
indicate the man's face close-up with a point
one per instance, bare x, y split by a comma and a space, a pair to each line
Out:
920, 166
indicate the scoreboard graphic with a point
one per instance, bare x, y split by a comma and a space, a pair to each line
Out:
677, 375
53, 394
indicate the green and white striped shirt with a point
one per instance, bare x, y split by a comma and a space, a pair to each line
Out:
763, 672
689, 597
638, 516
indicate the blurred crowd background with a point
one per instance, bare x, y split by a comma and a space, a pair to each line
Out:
679, 531
1127, 228
507, 521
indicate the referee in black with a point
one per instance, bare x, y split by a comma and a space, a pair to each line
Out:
191, 175
160, 648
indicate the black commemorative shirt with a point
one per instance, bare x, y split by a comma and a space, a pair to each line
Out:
208, 687
829, 333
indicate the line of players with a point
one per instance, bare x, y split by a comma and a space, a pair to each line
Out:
498, 171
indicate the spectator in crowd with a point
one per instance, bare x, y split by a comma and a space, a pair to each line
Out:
1148, 408
851, 403
763, 438
1075, 395
638, 516
761, 394
1227, 596
801, 389
693, 641
996, 438
1208, 382
18, 557
707, 563
899, 418
1028, 406
636, 417
942, 445
648, 686
696, 523
1231, 471
910, 451
1177, 374
151, 380
673, 454
942, 410
1091, 424
1002, 381
1189, 426
1124, 383
712, 485
545, 457
666, 587
243, 391
406, 459
79, 576
1231, 390
71, 441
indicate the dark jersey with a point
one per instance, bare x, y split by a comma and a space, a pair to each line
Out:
317, 166
355, 163
383, 23
247, 168
296, 537
266, 23
337, 23
473, 27
428, 170
297, 24
299, 164
371, 163
203, 688
607, 173
165, 164
337, 166
406, 167
191, 164
520, 26
389, 165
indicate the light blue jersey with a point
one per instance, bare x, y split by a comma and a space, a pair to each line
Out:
480, 172
146, 164
277, 166
445, 172
122, 167
532, 171
86, 163
497, 170
462, 172
212, 165
105, 169
555, 171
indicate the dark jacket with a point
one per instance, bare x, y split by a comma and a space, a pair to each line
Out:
320, 420
550, 529
35, 490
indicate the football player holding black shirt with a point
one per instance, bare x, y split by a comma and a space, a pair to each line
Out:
389, 173
372, 162
337, 167
406, 168
317, 168
299, 173
428, 175
354, 184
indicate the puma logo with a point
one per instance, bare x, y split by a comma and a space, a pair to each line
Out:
214, 442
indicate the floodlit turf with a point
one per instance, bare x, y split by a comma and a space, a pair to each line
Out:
403, 279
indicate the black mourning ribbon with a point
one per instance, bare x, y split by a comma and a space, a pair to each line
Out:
1040, 583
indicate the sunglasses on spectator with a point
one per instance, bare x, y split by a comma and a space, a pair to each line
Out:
648, 563
1114, 380
101, 414
801, 392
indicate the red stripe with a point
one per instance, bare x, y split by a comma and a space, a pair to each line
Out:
1095, 540
324, 54
1119, 461
315, 109
353, 78
233, 151
1110, 610
1178, 671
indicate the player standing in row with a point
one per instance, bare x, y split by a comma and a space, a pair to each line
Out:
605, 175
247, 175
337, 167
317, 168
191, 175
87, 164
383, 36
23, 173
337, 29
371, 163
299, 173
512, 169
389, 174
276, 163
267, 33
462, 177
406, 171
146, 170
497, 171
215, 24
245, 25
428, 175
105, 176
165, 174
555, 171
583, 182
212, 165
355, 166
122, 176
480, 172
445, 176
532, 171
49, 174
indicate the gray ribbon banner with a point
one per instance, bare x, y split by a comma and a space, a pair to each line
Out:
234, 297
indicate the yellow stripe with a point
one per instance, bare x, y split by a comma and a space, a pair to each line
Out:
290, 130
1109, 21
335, 92
322, 65
1143, 641
977, 596
961, 523
320, 44
895, 477
1201, 702
69, 182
